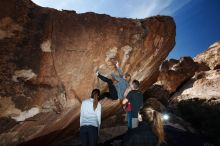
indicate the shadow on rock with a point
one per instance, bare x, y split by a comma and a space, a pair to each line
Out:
204, 115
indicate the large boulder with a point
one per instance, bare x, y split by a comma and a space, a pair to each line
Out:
204, 85
157, 92
192, 91
48, 63
210, 57
175, 72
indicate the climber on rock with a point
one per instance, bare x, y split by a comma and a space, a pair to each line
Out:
117, 90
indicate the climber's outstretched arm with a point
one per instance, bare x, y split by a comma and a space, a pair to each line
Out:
120, 72
118, 78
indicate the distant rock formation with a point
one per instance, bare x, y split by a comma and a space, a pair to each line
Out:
204, 85
173, 74
191, 89
211, 57
198, 102
48, 61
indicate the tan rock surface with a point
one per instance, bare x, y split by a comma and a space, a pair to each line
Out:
204, 85
211, 57
175, 72
198, 102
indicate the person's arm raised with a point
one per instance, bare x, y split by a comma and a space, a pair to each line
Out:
118, 78
115, 77
120, 72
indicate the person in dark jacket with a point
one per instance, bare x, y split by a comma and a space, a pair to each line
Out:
134, 100
149, 132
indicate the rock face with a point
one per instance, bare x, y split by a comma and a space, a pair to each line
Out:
191, 89
48, 63
204, 85
200, 96
211, 57
174, 72
198, 102
158, 92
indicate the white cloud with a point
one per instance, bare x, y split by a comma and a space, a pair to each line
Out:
180, 5
157, 7
122, 8
80, 6
149, 8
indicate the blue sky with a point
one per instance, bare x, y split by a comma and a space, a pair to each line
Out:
198, 21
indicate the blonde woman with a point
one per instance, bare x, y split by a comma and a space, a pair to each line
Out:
149, 132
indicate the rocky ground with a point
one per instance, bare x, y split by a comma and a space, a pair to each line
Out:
174, 137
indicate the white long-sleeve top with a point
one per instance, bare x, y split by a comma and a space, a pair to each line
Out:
89, 116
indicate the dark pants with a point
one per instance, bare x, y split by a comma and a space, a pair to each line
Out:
129, 118
89, 135
112, 94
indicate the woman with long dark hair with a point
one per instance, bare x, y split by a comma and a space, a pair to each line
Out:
149, 132
90, 119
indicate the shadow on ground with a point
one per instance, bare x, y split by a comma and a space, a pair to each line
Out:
204, 115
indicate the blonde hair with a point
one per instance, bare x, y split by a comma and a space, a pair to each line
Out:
153, 117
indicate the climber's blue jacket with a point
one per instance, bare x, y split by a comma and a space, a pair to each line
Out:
122, 84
